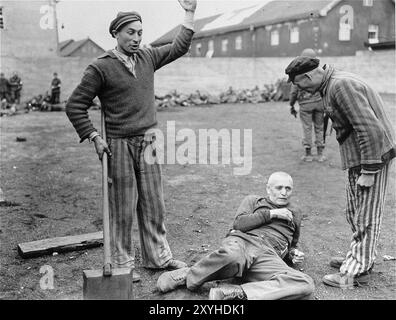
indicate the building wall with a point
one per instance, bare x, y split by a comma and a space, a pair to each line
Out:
217, 74
37, 73
382, 13
28, 32
88, 50
208, 75
320, 33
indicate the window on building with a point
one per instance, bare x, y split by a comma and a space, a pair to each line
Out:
210, 51
344, 33
294, 35
274, 38
368, 3
238, 43
1, 18
373, 33
224, 45
198, 49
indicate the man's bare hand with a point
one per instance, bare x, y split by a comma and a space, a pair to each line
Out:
188, 5
282, 213
296, 256
101, 146
366, 180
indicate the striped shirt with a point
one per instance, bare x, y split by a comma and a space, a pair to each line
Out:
364, 132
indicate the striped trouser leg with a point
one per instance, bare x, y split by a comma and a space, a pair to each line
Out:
122, 202
364, 213
151, 210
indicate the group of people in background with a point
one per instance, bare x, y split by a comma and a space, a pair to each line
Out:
10, 90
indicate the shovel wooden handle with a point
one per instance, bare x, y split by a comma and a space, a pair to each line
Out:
105, 206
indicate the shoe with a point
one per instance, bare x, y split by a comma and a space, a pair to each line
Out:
336, 262
344, 281
229, 292
135, 276
308, 156
320, 156
174, 264
170, 280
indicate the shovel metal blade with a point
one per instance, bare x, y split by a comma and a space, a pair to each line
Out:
118, 286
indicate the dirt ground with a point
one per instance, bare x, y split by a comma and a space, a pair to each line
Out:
52, 186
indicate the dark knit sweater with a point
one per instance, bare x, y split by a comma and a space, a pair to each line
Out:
253, 217
128, 102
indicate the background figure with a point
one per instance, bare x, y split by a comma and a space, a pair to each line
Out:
311, 114
55, 89
15, 83
4, 87
266, 231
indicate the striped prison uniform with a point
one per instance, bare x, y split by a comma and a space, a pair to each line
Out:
127, 100
135, 188
364, 214
367, 146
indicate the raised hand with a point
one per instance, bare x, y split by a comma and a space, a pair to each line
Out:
188, 5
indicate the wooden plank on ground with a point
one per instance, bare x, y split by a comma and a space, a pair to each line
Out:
60, 244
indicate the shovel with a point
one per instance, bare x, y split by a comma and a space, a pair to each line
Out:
109, 283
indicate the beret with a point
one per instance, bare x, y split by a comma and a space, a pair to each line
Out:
300, 65
122, 18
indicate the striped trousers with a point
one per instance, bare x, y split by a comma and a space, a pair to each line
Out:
135, 187
364, 212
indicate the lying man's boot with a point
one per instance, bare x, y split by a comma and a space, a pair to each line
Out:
344, 281
227, 292
174, 264
170, 280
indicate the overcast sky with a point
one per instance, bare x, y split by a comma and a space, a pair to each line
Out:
81, 19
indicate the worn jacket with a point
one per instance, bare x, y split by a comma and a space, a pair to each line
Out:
127, 101
364, 132
253, 218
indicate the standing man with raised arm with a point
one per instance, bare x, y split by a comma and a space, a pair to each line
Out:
123, 80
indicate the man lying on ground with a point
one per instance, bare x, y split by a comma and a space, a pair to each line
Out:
265, 232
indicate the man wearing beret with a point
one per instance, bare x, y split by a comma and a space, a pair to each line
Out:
123, 80
367, 147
